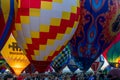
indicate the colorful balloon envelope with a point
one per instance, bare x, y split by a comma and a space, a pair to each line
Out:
7, 17
99, 24
44, 27
14, 56
96, 66
112, 53
61, 60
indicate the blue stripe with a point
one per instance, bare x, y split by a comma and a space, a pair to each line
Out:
8, 24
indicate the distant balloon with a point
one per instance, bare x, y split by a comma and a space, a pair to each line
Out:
99, 24
61, 60
7, 16
44, 27
71, 65
96, 66
112, 53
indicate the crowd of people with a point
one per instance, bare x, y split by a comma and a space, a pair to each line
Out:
64, 76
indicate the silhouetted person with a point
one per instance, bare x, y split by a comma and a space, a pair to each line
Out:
8, 77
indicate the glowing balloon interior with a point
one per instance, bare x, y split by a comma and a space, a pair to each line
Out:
14, 56
112, 52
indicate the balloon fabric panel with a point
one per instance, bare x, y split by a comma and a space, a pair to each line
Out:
61, 60
96, 66
98, 26
7, 15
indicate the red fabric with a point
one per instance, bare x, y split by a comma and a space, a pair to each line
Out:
37, 4
20, 78
40, 66
95, 66
2, 23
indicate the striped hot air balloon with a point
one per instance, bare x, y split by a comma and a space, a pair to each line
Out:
44, 27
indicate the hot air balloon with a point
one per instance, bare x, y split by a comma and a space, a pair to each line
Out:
44, 27
96, 66
99, 24
71, 65
14, 56
112, 53
61, 60
7, 17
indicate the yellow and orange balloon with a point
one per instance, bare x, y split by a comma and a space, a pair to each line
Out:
14, 56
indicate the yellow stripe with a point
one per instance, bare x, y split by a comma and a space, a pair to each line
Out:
36, 52
55, 21
5, 5
66, 15
25, 46
74, 9
58, 1
35, 34
19, 2
34, 12
18, 27
50, 42
28, 40
45, 58
58, 48
75, 24
78, 3
44, 28
25, 19
46, 5
15, 7
68, 31
33, 57
59, 36
42, 47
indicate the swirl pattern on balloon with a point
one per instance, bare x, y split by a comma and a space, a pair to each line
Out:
99, 24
